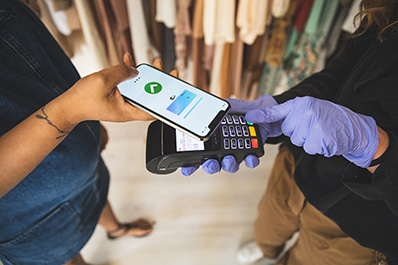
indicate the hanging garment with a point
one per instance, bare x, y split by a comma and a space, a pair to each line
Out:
103, 11
142, 47
60, 19
280, 8
154, 28
219, 29
301, 16
270, 79
115, 23
200, 74
304, 8
235, 67
277, 43
166, 12
335, 34
61, 4
349, 25
219, 21
252, 66
252, 18
182, 31
45, 16
168, 49
306, 53
119, 9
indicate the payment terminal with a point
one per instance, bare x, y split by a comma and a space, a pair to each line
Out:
169, 149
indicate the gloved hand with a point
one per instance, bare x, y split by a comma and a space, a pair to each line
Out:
323, 127
229, 163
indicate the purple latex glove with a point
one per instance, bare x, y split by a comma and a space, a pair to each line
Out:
322, 127
229, 163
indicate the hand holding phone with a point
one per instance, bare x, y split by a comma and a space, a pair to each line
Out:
175, 102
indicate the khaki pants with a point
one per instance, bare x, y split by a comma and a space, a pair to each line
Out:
283, 210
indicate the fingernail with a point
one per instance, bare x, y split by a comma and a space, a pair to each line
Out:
130, 57
158, 60
174, 72
135, 71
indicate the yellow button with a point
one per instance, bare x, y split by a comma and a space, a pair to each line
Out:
252, 131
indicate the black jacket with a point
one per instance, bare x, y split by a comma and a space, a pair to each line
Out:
364, 78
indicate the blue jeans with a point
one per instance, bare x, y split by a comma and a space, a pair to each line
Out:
49, 216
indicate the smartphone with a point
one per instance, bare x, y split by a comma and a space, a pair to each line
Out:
175, 102
168, 149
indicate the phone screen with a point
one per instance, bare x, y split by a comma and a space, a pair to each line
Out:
174, 100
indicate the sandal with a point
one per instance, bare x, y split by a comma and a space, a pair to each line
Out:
140, 224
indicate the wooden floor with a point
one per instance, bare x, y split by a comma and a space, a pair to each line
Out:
200, 220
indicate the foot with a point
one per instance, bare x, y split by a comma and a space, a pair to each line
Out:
250, 253
137, 228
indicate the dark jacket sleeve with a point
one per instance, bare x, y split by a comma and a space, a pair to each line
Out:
382, 185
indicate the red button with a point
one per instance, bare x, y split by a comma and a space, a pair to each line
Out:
254, 143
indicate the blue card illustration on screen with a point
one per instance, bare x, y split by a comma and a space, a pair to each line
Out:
181, 102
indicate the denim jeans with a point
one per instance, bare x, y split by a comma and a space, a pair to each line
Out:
49, 216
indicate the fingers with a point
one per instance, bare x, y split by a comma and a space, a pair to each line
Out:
229, 164
188, 171
271, 114
242, 106
252, 161
111, 77
239, 105
157, 63
128, 60
174, 73
211, 166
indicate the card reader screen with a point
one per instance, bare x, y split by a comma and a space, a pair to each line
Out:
185, 143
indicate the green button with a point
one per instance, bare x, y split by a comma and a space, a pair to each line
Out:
249, 123
153, 88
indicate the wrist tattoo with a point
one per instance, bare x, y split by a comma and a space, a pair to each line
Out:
45, 117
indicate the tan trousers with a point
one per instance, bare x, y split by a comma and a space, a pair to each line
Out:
283, 210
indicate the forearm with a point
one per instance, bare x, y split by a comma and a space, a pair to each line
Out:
381, 147
94, 97
27, 144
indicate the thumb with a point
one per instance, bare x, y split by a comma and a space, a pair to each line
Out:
271, 114
112, 76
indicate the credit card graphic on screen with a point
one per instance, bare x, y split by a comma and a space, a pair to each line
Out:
181, 102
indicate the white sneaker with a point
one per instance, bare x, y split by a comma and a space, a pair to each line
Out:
250, 253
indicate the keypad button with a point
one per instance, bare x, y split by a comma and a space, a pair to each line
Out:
235, 119
232, 131
226, 144
240, 143
239, 131
248, 143
229, 119
254, 143
215, 144
233, 143
223, 121
242, 120
225, 131
252, 131
245, 131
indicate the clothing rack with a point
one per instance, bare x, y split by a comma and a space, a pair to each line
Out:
232, 48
